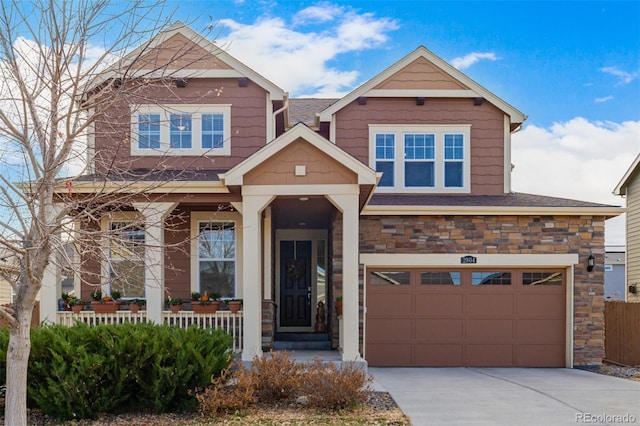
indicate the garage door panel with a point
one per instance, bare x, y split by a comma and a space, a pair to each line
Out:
485, 355
440, 355
489, 304
441, 329
495, 323
391, 304
540, 330
540, 355
384, 355
389, 329
546, 304
439, 304
489, 330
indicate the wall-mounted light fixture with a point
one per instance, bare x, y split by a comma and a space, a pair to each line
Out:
420, 100
478, 101
591, 261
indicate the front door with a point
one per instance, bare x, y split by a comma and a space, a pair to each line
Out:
296, 263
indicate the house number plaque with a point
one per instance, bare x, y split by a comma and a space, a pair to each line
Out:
468, 259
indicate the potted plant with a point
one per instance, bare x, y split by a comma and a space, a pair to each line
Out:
205, 304
103, 304
175, 305
339, 306
76, 304
136, 304
234, 305
63, 302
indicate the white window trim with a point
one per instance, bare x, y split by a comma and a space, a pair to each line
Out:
439, 131
105, 226
196, 219
196, 133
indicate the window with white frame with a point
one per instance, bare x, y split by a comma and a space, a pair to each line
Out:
126, 258
217, 258
181, 129
421, 158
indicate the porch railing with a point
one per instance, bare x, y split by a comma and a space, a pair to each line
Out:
232, 323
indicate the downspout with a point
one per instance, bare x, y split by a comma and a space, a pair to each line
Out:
285, 105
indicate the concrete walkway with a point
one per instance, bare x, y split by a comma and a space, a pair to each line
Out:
510, 396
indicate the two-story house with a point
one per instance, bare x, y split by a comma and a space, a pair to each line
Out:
395, 199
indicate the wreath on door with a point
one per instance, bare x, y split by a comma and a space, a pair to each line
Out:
295, 269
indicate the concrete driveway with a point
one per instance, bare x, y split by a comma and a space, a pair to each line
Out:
510, 396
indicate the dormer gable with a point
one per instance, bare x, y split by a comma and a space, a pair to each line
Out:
422, 74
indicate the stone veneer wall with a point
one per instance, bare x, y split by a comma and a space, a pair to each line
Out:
268, 324
498, 235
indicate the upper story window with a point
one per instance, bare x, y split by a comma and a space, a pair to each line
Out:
181, 130
421, 158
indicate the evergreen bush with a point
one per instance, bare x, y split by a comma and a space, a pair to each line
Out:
79, 372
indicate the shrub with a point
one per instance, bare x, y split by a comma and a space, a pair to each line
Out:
328, 387
231, 392
80, 371
276, 376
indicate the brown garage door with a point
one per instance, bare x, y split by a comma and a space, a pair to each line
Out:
433, 317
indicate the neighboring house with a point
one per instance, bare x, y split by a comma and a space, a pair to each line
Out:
614, 274
396, 198
629, 188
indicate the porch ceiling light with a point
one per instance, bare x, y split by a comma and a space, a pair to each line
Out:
304, 198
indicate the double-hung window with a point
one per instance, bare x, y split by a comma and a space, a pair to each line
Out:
421, 158
217, 258
181, 130
126, 258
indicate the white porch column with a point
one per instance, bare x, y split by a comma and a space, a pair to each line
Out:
252, 206
350, 337
154, 215
50, 289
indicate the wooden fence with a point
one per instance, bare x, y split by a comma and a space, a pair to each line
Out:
35, 317
622, 332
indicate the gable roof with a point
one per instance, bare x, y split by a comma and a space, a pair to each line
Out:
366, 175
475, 89
233, 69
621, 188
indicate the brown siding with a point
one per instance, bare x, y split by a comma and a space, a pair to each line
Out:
421, 74
487, 131
248, 126
279, 169
178, 52
508, 235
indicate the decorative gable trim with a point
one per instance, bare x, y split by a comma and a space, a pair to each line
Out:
366, 176
237, 68
621, 188
475, 89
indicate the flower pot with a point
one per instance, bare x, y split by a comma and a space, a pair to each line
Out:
200, 308
339, 308
234, 306
134, 308
104, 307
175, 308
77, 308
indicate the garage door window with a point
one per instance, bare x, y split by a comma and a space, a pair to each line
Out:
541, 278
491, 278
440, 278
395, 278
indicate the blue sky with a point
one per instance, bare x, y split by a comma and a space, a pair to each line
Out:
573, 67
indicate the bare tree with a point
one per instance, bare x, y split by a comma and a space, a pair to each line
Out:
53, 58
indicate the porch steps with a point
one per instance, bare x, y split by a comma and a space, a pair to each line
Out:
302, 342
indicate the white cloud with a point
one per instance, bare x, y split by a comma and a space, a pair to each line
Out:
624, 77
601, 100
298, 60
464, 62
577, 159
